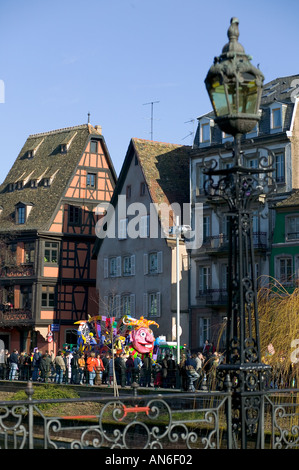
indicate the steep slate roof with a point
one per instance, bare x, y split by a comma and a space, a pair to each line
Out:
165, 168
48, 162
279, 90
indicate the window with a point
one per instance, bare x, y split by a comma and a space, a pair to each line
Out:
25, 296
144, 226
29, 253
204, 278
206, 228
279, 168
46, 182
154, 304
284, 269
205, 132
292, 225
122, 232
33, 184
129, 265
51, 252
153, 262
21, 215
128, 191
142, 189
115, 266
91, 180
201, 179
276, 118
224, 273
48, 296
128, 304
112, 267
204, 331
75, 215
63, 148
93, 146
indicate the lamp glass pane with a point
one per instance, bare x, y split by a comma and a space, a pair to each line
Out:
218, 98
248, 97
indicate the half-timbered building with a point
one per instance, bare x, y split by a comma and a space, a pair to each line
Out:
48, 215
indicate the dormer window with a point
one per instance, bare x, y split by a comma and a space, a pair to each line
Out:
22, 211
205, 132
20, 215
205, 125
276, 120
30, 154
277, 113
63, 148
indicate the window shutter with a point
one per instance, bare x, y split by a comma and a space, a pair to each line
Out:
133, 265
145, 304
158, 304
145, 263
105, 268
160, 261
118, 266
132, 304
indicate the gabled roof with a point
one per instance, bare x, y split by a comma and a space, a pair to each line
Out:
165, 168
47, 162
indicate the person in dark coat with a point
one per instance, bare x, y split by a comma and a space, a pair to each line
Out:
120, 370
45, 367
129, 369
147, 370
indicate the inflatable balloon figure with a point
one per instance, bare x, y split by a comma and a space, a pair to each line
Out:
141, 338
125, 335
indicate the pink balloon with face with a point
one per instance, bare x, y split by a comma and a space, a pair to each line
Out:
143, 340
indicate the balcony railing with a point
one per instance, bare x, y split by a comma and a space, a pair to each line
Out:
12, 316
22, 270
220, 242
213, 296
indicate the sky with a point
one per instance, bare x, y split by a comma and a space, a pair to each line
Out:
62, 59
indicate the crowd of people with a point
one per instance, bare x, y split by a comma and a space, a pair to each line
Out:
195, 371
91, 368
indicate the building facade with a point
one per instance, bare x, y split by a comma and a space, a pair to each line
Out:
284, 261
47, 232
136, 256
277, 132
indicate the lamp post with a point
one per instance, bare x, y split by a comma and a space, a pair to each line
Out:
234, 86
179, 231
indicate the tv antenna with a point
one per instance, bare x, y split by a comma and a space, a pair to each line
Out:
191, 132
152, 116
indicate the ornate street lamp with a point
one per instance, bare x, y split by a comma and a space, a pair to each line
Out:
234, 87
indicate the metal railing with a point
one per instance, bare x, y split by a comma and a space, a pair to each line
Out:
200, 420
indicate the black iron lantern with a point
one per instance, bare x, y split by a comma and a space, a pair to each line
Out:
234, 86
